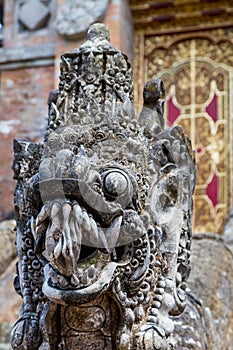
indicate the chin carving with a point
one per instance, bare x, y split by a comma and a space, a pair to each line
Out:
104, 209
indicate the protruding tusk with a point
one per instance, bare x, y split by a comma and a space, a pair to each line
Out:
102, 239
94, 236
112, 233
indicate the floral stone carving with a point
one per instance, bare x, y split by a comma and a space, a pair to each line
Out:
104, 207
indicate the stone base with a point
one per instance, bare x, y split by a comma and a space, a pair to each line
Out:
207, 322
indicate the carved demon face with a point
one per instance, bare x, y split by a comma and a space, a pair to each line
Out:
103, 212
91, 212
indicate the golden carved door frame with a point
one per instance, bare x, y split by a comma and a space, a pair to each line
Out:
197, 69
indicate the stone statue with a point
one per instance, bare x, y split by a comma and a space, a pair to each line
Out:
103, 206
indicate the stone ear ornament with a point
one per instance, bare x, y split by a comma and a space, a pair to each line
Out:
104, 207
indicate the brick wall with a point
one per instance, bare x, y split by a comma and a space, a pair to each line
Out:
23, 101
29, 69
14, 37
119, 21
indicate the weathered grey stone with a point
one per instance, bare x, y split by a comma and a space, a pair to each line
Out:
228, 230
207, 322
5, 346
9, 304
7, 244
103, 207
5, 330
9, 300
75, 16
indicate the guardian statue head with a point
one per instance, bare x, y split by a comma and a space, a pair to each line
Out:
103, 207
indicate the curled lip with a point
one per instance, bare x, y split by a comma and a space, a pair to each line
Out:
79, 215
74, 188
79, 296
76, 247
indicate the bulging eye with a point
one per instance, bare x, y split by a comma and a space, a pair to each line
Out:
115, 183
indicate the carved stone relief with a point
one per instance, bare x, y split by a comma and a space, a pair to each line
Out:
33, 14
75, 16
104, 206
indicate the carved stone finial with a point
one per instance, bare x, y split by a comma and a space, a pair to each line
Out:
98, 31
103, 208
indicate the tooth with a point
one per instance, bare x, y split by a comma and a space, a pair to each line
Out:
91, 272
113, 232
79, 271
84, 278
63, 281
54, 279
74, 280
